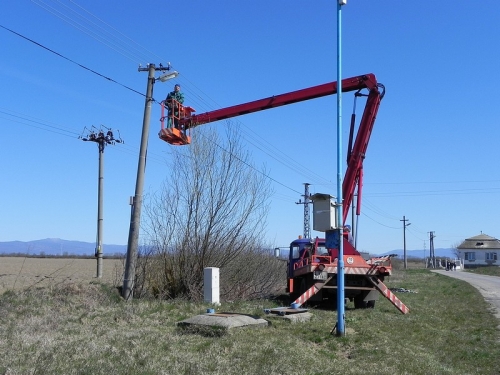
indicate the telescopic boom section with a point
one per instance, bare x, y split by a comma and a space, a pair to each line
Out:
353, 175
354, 172
349, 84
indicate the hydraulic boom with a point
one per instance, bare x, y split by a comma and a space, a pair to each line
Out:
353, 176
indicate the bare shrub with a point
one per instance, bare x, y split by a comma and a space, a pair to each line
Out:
211, 212
255, 274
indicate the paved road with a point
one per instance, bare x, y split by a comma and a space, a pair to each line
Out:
489, 286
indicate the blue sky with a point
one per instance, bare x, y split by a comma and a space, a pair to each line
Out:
433, 154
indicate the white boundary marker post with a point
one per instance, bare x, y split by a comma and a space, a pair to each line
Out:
211, 291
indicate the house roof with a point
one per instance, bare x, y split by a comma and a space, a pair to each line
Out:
482, 241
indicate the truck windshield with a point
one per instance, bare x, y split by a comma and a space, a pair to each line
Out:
321, 250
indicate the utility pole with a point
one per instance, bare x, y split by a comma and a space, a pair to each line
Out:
404, 241
425, 262
102, 139
307, 196
135, 220
431, 249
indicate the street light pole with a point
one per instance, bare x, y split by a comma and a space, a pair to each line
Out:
340, 265
135, 220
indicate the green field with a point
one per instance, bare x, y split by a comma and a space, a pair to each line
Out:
85, 328
489, 270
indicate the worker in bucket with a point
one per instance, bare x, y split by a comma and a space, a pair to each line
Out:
347, 229
172, 101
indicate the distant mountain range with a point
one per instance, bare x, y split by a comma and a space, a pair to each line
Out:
56, 246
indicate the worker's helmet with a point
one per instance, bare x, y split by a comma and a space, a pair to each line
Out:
347, 228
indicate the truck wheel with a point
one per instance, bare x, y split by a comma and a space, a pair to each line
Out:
359, 303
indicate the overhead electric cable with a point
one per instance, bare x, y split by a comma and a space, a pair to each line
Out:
270, 151
74, 62
293, 166
252, 167
372, 219
96, 35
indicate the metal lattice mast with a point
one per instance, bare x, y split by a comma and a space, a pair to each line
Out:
307, 200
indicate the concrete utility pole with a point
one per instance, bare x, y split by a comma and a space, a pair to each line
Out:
404, 240
135, 220
431, 249
102, 139
307, 200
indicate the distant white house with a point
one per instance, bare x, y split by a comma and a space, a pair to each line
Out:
481, 250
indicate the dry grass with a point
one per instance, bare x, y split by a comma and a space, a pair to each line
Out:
85, 328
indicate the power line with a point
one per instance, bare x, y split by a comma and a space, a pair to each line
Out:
271, 151
74, 62
378, 222
96, 35
252, 167
82, 66
39, 125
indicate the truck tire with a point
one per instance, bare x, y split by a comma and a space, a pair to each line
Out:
359, 303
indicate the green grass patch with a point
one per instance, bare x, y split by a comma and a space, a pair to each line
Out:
87, 329
487, 270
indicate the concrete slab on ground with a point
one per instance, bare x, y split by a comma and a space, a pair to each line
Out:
227, 320
293, 318
297, 315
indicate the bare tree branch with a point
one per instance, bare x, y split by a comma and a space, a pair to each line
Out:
211, 212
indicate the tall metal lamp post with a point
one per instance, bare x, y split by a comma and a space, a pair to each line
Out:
133, 235
340, 267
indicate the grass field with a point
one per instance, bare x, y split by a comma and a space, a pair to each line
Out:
70, 326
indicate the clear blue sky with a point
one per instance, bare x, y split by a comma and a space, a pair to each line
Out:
433, 155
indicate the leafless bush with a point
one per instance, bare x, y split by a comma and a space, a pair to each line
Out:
253, 275
211, 212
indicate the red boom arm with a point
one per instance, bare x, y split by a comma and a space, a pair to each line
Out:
354, 171
353, 176
349, 84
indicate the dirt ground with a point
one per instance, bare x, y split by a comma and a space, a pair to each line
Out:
18, 273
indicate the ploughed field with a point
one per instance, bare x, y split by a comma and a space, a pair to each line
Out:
18, 273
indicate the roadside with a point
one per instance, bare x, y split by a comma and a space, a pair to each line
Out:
488, 286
